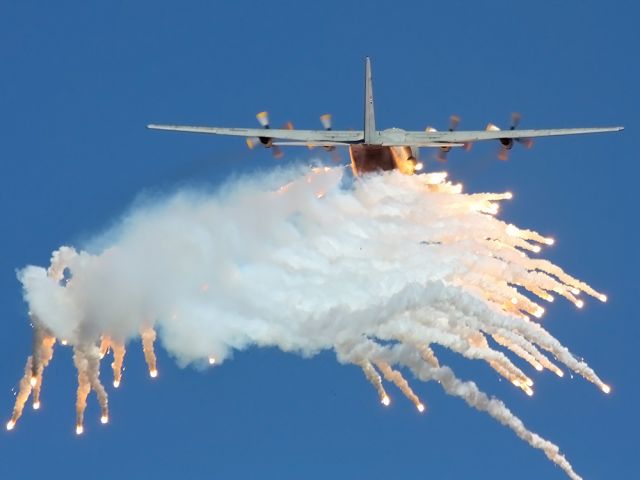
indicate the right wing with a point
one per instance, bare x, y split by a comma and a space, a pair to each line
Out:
303, 136
461, 137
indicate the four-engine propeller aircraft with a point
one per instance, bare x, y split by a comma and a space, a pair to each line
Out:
372, 149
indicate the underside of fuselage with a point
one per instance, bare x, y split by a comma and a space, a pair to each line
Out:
372, 158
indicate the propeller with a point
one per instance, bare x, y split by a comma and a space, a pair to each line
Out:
263, 119
441, 156
325, 119
507, 143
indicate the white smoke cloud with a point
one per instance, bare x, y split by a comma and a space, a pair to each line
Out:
376, 272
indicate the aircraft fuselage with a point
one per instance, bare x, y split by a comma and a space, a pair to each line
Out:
371, 158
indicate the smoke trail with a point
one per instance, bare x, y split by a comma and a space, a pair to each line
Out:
118, 359
45, 353
378, 273
24, 390
148, 338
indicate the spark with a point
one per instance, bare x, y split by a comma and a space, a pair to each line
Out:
212, 361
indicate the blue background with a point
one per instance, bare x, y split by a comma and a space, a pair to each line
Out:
78, 84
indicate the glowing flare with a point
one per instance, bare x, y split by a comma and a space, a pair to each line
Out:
606, 388
386, 401
602, 298
33, 380
10, 425
116, 384
79, 429
539, 312
536, 248
153, 373
579, 304
559, 372
419, 166
538, 366
528, 391
508, 195
36, 405
104, 419
63, 342
549, 241
212, 361
420, 407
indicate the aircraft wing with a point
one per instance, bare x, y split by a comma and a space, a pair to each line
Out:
304, 136
460, 137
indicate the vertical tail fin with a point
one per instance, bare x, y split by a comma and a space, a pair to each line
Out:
370, 134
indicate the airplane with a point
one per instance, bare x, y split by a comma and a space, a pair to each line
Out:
373, 150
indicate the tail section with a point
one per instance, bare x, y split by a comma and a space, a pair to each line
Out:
370, 134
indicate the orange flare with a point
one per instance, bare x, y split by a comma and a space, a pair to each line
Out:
10, 424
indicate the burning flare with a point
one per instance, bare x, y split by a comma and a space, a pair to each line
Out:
378, 273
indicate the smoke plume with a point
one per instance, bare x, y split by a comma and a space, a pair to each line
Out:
377, 272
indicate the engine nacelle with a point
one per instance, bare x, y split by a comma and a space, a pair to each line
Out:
266, 141
507, 143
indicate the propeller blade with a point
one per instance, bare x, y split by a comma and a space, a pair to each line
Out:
263, 118
288, 126
515, 120
454, 120
503, 154
467, 146
252, 142
277, 152
441, 156
525, 142
326, 121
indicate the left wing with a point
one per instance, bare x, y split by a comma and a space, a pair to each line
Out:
304, 136
400, 137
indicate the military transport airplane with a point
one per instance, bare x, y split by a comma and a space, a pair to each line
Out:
394, 148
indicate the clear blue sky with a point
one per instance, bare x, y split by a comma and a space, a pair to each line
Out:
80, 82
